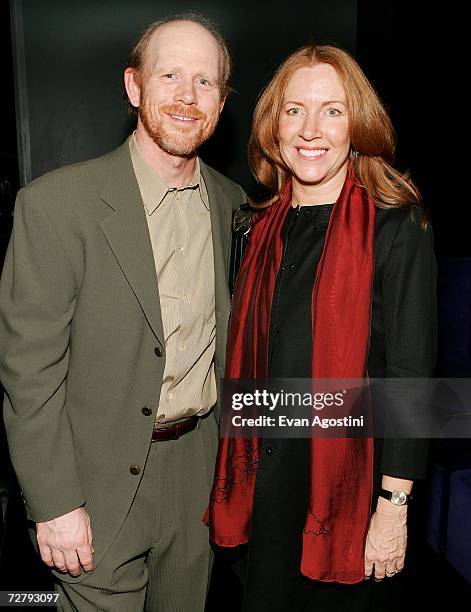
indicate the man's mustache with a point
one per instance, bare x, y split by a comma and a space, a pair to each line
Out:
182, 111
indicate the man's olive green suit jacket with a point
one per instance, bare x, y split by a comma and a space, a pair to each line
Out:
81, 337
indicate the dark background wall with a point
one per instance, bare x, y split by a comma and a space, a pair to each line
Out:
414, 53
68, 60
74, 54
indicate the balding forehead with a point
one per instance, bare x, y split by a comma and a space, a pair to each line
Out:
179, 34
179, 30
184, 24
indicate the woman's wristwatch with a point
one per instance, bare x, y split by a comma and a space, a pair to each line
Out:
398, 498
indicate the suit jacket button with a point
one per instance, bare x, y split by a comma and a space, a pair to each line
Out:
146, 411
158, 351
134, 469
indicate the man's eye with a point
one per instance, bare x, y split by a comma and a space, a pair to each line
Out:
170, 75
204, 83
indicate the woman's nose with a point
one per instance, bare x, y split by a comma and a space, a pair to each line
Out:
311, 127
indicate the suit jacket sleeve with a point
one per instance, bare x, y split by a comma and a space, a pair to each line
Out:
410, 320
37, 298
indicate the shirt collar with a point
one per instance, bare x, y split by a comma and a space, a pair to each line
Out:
152, 187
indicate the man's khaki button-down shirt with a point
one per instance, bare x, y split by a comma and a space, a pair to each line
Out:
180, 232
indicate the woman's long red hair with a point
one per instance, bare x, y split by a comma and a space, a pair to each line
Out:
372, 135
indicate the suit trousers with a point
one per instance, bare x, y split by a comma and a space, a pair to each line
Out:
160, 560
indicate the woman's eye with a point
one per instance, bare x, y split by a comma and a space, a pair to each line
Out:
333, 112
294, 111
170, 75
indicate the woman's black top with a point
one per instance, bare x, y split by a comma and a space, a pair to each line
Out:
403, 327
402, 343
290, 346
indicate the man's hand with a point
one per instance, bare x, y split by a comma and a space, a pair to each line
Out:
66, 542
386, 540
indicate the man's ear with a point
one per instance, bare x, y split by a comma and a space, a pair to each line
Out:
132, 83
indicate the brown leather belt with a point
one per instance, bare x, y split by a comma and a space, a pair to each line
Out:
173, 432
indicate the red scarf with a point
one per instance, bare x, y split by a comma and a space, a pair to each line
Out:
341, 468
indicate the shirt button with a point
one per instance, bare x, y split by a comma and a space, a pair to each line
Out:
307, 212
158, 351
146, 411
292, 267
184, 297
170, 395
134, 469
269, 451
182, 347
181, 248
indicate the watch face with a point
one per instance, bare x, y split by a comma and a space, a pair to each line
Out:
399, 498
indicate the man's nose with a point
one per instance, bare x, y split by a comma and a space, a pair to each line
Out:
186, 92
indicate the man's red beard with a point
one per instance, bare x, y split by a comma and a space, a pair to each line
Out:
175, 139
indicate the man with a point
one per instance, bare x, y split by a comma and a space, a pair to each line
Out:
113, 312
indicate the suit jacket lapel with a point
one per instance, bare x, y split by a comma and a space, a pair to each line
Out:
127, 233
221, 219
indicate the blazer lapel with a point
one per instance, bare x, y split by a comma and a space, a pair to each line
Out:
127, 233
220, 211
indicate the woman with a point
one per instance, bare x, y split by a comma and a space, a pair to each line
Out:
338, 281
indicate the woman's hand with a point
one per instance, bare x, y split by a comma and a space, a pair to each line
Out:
386, 540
